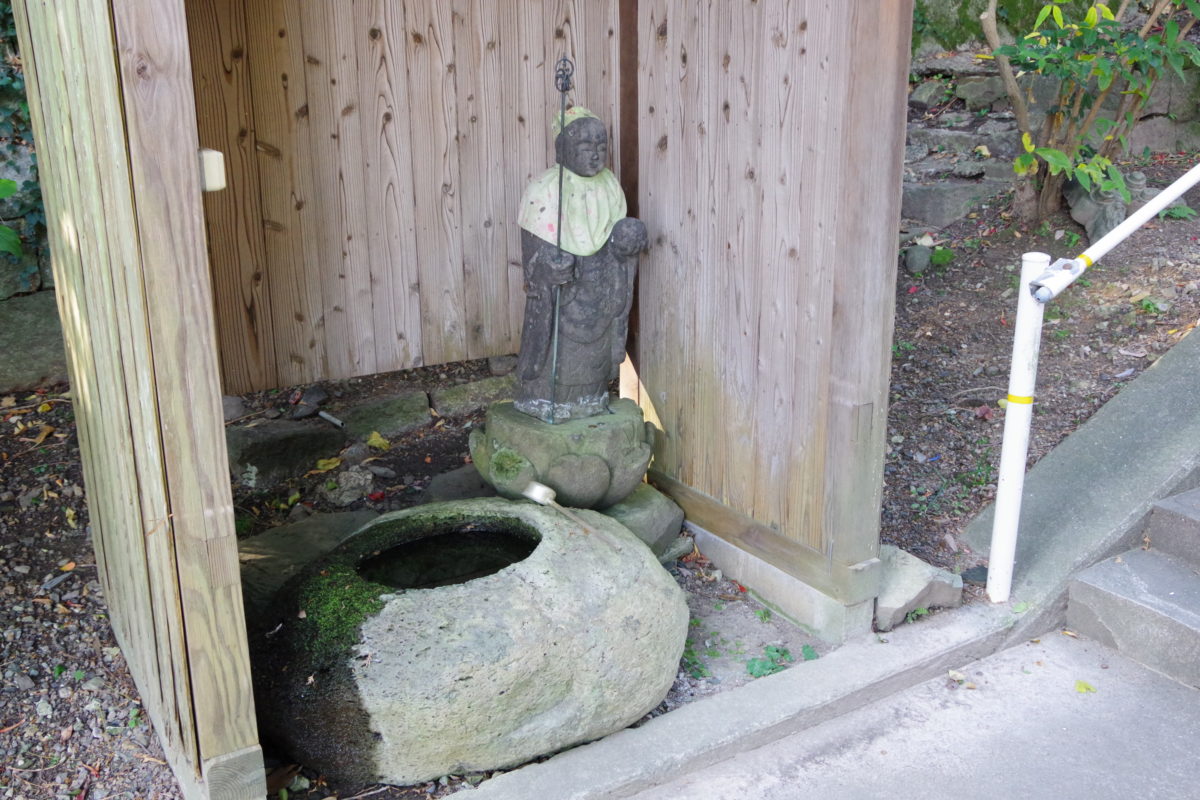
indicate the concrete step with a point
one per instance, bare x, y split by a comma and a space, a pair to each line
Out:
1145, 604
1174, 526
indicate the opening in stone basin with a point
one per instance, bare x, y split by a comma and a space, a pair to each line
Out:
451, 554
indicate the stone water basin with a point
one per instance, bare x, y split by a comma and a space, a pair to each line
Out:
466, 637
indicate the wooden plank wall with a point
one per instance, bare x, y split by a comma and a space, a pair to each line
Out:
377, 150
770, 136
110, 96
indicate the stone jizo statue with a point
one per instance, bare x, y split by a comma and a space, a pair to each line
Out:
592, 276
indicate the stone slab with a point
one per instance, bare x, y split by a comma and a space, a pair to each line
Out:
1023, 732
1144, 604
269, 559
651, 515
944, 202
265, 453
459, 484
815, 612
31, 343
467, 398
1174, 526
1091, 495
908, 584
390, 416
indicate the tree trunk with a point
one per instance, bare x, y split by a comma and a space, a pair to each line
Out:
1025, 201
1050, 197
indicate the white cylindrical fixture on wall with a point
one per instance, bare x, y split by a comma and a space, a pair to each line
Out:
1018, 416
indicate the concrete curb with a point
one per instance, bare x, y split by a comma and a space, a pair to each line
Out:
863, 670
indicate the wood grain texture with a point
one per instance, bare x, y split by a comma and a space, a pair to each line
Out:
388, 149
766, 296
156, 93
291, 229
85, 177
393, 142
233, 216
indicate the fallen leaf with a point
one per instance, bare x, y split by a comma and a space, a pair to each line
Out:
377, 441
956, 676
302, 614
983, 152
1083, 687
1133, 352
325, 465
969, 685
70, 565
69, 514
8, 401
1072, 634
1020, 608
984, 412
375, 497
45, 431
43, 408
66, 733
310, 680
428, 459
924, 240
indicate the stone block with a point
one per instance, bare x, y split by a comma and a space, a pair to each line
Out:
463, 483
591, 462
980, 91
390, 416
1144, 604
926, 94
262, 454
270, 559
651, 515
811, 609
908, 584
31, 343
474, 672
940, 204
466, 398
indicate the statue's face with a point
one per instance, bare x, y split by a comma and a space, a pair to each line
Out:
583, 147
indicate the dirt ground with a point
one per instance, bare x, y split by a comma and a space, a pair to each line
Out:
953, 343
71, 724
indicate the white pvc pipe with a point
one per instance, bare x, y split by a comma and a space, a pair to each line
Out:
1018, 416
1047, 287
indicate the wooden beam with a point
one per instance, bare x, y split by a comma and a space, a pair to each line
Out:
847, 583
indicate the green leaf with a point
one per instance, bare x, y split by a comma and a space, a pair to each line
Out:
7, 188
1083, 687
10, 242
1041, 17
808, 653
1084, 179
1057, 160
1056, 12
1093, 16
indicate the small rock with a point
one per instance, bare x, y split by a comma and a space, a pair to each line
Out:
232, 407
44, 709
920, 458
272, 413
909, 583
23, 682
299, 512
927, 94
27, 499
355, 454
347, 487
502, 365
310, 402
976, 576
95, 684
378, 471
917, 259
980, 92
